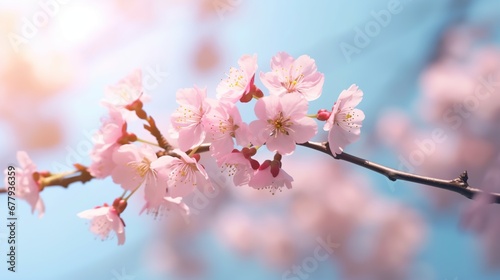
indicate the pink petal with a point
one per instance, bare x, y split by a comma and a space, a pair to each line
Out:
259, 131
294, 106
337, 139
190, 137
192, 97
304, 129
272, 82
281, 60
180, 187
267, 107
248, 64
283, 144
351, 97
91, 213
126, 177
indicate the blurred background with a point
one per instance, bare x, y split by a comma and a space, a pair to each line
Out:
430, 74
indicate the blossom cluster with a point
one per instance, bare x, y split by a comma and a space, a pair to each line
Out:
166, 174
282, 118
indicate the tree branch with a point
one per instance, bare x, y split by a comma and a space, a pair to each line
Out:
151, 126
153, 129
458, 185
82, 175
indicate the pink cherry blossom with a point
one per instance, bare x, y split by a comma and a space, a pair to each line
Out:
155, 192
105, 219
282, 123
159, 205
137, 165
289, 75
239, 167
184, 174
265, 179
223, 123
187, 120
239, 81
25, 185
125, 92
344, 124
105, 143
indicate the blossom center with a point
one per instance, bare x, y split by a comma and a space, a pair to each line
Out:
101, 226
292, 83
235, 79
186, 169
229, 125
124, 95
189, 115
141, 167
280, 124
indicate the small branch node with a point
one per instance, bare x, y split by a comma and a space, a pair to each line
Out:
464, 176
462, 179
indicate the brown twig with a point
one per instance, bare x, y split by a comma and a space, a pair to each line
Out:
82, 175
458, 185
137, 106
153, 129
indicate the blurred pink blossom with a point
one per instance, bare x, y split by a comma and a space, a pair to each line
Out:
106, 143
126, 92
26, 187
289, 75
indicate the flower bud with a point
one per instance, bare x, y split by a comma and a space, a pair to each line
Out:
246, 98
196, 157
119, 204
323, 115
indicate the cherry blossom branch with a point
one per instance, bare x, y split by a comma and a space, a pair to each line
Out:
81, 175
153, 129
458, 185
151, 126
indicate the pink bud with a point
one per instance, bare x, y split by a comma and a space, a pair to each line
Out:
248, 152
275, 168
132, 137
255, 164
119, 204
196, 157
246, 98
277, 157
265, 165
323, 115
257, 92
